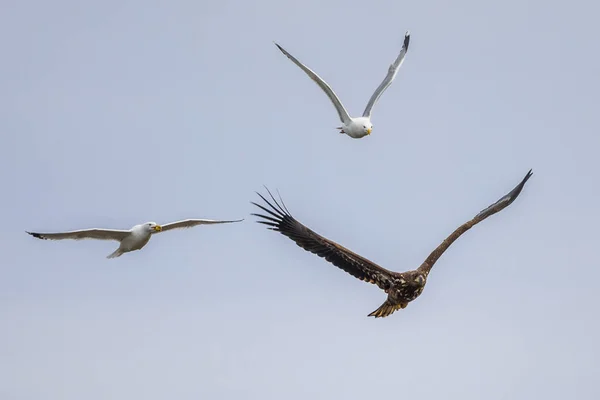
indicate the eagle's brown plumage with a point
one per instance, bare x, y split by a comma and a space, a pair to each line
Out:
402, 288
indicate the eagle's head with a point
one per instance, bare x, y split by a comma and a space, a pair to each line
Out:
415, 279
409, 286
419, 279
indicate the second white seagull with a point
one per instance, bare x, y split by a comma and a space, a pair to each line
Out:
130, 240
360, 126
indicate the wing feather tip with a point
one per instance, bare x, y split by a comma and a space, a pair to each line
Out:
273, 212
517, 190
280, 209
266, 223
36, 235
280, 48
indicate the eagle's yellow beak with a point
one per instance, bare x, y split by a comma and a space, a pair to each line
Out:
158, 228
369, 131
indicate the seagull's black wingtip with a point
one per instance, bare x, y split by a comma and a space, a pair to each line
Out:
517, 190
35, 235
406, 39
529, 174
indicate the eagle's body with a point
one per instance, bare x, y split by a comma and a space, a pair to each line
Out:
401, 288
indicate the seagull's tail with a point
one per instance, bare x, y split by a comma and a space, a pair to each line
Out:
117, 253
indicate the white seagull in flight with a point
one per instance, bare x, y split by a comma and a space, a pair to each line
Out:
130, 240
361, 126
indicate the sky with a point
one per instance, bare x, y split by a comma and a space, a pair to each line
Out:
115, 113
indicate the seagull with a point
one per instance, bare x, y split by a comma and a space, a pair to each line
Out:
355, 127
401, 288
130, 240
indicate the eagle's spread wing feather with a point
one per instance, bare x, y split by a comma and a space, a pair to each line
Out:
280, 219
498, 206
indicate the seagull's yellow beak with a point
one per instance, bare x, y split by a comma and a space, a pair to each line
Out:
369, 131
158, 228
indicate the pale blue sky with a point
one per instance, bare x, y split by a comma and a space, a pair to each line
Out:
120, 112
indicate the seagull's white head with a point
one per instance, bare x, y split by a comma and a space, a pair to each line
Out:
367, 127
358, 127
152, 227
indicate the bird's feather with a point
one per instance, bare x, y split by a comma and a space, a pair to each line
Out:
498, 206
386, 309
189, 223
94, 233
117, 253
337, 103
280, 219
387, 81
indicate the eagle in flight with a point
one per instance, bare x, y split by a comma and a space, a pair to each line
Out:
401, 288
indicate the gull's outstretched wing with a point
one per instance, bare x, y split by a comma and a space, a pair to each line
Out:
387, 81
94, 233
188, 223
279, 219
344, 116
487, 212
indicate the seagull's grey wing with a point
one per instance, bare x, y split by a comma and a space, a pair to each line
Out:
498, 206
188, 223
94, 233
387, 81
344, 116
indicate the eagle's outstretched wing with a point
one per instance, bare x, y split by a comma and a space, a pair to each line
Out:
280, 219
487, 212
337, 103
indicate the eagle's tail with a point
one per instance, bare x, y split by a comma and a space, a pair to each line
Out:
387, 308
